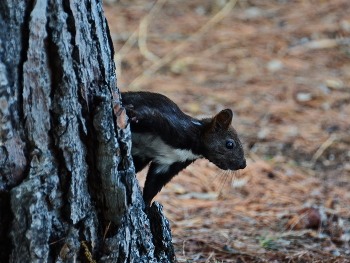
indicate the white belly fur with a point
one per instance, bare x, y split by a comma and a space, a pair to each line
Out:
152, 146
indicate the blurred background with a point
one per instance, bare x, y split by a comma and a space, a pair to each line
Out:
283, 67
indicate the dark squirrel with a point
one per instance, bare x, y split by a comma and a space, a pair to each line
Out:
171, 140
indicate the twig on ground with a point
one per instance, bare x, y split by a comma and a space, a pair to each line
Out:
177, 50
143, 31
322, 148
319, 44
139, 34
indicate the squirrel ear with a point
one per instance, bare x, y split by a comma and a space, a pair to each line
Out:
222, 120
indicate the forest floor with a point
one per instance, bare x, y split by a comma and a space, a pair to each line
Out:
283, 67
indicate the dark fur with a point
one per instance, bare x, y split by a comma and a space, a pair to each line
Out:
155, 114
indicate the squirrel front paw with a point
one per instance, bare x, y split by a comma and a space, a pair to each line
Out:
132, 114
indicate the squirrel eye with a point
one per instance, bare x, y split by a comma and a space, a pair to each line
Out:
229, 145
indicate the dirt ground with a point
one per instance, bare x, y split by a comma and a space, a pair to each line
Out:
283, 67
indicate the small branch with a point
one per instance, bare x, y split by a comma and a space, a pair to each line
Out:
180, 48
322, 148
319, 44
143, 31
118, 57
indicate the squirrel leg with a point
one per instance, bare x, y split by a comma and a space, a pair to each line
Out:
158, 176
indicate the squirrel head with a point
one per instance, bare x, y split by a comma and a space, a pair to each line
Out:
221, 143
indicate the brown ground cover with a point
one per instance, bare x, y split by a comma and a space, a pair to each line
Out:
284, 68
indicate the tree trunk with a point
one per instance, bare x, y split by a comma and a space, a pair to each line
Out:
68, 190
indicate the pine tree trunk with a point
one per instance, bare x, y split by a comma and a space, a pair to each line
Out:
67, 182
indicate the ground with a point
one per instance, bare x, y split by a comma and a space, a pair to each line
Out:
283, 67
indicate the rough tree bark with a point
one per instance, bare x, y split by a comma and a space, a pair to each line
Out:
66, 175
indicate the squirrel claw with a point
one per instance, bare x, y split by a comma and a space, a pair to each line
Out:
133, 119
131, 113
129, 107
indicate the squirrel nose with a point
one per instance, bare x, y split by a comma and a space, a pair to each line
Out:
242, 164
